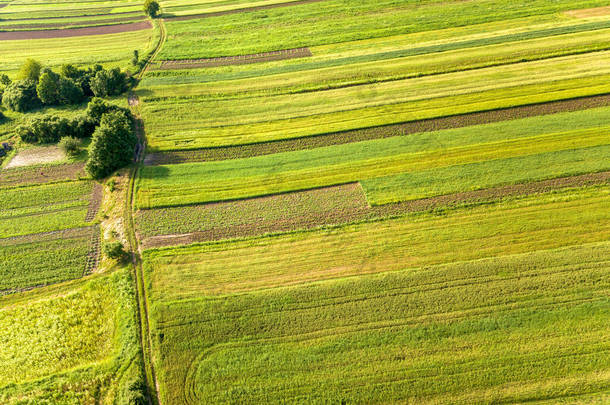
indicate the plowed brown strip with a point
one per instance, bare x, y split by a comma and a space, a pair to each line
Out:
3, 5
435, 124
252, 216
39, 175
74, 32
236, 60
71, 24
236, 11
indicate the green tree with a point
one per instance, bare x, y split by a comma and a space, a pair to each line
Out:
136, 57
112, 146
21, 96
30, 70
48, 87
151, 7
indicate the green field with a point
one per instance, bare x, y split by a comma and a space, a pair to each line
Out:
306, 308
69, 344
552, 146
413, 209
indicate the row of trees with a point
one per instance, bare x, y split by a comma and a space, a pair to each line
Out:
38, 86
110, 126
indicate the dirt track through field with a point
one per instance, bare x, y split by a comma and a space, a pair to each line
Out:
94, 202
236, 60
71, 24
353, 209
170, 18
74, 32
338, 138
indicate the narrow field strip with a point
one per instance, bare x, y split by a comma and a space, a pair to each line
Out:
434, 124
87, 23
170, 18
236, 60
95, 202
40, 175
313, 208
75, 32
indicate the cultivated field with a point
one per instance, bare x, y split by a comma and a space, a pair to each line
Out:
333, 201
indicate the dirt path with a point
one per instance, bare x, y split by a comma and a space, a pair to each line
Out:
75, 32
236, 60
170, 18
297, 217
338, 138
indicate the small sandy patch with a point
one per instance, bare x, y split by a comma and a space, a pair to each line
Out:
36, 156
589, 12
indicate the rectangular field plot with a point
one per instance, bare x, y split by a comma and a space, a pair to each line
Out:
506, 302
44, 208
569, 143
42, 259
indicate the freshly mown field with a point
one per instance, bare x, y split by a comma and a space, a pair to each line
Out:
72, 343
493, 303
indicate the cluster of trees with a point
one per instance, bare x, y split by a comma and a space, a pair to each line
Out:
36, 85
110, 126
51, 128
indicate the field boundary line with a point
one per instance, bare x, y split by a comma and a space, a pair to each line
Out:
246, 59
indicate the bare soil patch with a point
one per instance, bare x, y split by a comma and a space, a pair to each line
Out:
236, 60
589, 12
39, 175
93, 256
36, 156
2, 5
236, 11
70, 24
317, 208
75, 32
337, 138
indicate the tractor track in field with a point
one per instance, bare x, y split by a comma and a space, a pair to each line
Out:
359, 211
94, 202
171, 18
75, 32
387, 131
82, 24
283, 54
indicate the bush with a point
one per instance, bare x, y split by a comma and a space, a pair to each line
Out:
151, 8
113, 145
115, 250
97, 107
30, 70
55, 89
109, 83
81, 77
21, 96
2, 117
45, 129
136, 57
4, 80
70, 145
